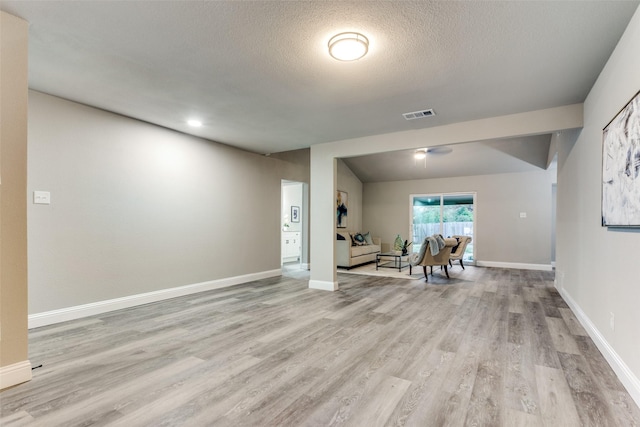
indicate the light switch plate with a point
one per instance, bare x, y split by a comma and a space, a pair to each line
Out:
41, 197
523, 214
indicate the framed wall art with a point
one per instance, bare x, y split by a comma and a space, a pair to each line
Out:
341, 209
295, 213
621, 167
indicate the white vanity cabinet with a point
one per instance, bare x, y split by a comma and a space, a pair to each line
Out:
290, 246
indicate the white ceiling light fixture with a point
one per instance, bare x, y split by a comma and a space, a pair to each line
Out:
348, 46
194, 123
420, 154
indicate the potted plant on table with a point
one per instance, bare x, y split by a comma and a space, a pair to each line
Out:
401, 248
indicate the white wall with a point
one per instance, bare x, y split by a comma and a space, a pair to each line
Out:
137, 208
501, 235
597, 268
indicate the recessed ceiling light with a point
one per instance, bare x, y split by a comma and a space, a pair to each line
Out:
194, 123
348, 46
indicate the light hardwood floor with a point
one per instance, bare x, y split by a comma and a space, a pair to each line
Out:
489, 347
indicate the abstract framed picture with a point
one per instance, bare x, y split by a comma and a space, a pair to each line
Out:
621, 167
295, 213
341, 209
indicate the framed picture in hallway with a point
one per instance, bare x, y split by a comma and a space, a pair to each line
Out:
621, 168
295, 213
341, 209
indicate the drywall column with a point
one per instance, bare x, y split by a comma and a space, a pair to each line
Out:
14, 366
305, 226
323, 206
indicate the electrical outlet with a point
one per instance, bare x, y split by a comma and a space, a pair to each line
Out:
41, 197
612, 321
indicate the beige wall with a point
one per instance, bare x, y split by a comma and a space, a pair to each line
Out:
13, 203
501, 235
597, 268
137, 208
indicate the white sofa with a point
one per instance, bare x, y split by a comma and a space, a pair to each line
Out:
348, 255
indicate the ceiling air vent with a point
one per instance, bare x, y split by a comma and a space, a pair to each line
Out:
419, 114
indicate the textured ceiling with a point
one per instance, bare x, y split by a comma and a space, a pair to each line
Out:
258, 74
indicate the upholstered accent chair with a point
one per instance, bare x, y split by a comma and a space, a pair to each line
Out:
441, 258
458, 254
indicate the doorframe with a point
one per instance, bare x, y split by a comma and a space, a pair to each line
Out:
304, 221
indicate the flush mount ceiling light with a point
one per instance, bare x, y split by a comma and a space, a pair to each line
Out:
348, 46
194, 123
420, 154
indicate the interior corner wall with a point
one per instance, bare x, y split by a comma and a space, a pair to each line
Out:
13, 200
349, 182
137, 208
597, 268
501, 236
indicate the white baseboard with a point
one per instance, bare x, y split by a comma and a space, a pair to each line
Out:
71, 313
626, 376
323, 285
517, 265
15, 374
305, 266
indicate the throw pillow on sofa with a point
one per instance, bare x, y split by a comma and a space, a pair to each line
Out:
358, 239
368, 238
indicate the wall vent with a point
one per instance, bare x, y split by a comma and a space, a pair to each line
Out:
419, 114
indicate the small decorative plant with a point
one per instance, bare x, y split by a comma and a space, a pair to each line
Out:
401, 246
405, 247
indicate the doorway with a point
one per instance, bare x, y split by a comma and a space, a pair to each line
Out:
292, 223
447, 214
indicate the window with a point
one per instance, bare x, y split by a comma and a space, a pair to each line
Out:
446, 214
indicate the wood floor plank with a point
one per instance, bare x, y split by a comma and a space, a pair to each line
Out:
413, 408
450, 406
458, 325
521, 419
572, 323
557, 407
562, 339
155, 411
588, 397
379, 402
545, 352
521, 391
516, 303
129, 386
489, 346
17, 419
391, 303
488, 388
